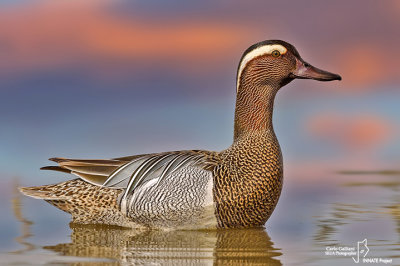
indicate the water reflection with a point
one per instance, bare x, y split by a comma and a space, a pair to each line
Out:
24, 223
370, 210
227, 247
393, 185
340, 214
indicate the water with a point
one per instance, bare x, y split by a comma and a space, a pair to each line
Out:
313, 216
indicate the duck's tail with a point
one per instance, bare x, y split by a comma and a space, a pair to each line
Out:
46, 193
42, 192
87, 203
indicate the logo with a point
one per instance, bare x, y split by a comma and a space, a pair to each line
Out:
362, 249
357, 253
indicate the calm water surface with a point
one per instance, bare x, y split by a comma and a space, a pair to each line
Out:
312, 217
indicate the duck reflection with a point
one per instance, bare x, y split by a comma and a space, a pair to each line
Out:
126, 246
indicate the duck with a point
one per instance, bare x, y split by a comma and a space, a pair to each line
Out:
238, 187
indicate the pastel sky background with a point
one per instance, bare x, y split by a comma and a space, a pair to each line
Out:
101, 79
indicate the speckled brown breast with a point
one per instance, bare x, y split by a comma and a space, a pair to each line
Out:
248, 183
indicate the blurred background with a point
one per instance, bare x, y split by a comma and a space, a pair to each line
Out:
103, 79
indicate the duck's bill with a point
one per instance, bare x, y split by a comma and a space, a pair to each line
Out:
306, 71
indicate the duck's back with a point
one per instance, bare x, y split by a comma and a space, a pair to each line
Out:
168, 190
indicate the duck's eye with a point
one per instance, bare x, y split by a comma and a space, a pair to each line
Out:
275, 53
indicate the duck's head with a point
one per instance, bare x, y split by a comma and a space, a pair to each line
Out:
276, 63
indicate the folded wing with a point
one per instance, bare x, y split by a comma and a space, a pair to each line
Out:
132, 171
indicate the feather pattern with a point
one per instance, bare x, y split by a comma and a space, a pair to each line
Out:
150, 166
131, 171
92, 179
93, 171
56, 168
115, 162
148, 176
149, 169
120, 177
144, 172
103, 170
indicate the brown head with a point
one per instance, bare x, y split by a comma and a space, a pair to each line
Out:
263, 69
277, 62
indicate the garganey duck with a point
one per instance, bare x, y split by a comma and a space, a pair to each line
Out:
194, 189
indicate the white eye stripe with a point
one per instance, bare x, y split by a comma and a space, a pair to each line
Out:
262, 50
